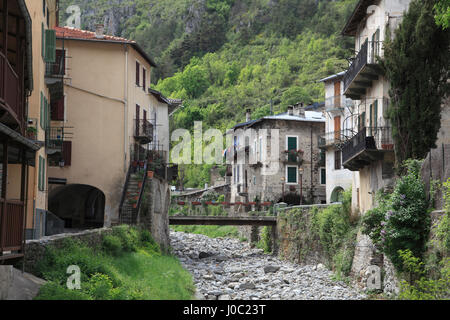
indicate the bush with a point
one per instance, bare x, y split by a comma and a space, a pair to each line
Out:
418, 286
128, 236
148, 241
100, 287
112, 245
54, 291
402, 220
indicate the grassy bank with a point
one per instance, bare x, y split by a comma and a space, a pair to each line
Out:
210, 231
128, 265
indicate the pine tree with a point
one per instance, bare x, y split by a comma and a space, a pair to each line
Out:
416, 63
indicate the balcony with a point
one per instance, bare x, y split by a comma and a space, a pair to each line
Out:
143, 131
363, 70
11, 96
54, 76
292, 157
54, 140
366, 147
337, 103
334, 138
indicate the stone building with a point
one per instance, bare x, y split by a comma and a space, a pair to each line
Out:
277, 158
370, 149
338, 109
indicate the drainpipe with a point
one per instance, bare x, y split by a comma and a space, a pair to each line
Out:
125, 167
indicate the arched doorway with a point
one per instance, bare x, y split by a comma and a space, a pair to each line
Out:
337, 195
80, 206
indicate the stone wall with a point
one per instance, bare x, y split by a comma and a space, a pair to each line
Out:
296, 242
154, 215
35, 249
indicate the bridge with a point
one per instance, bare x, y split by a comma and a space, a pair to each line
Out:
222, 221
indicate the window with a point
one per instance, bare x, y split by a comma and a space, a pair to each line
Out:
144, 74
238, 178
67, 153
323, 176
337, 160
291, 144
260, 149
41, 177
57, 110
291, 174
50, 46
44, 112
43, 7
48, 18
138, 75
42, 40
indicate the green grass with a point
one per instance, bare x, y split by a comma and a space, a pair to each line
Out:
134, 270
210, 231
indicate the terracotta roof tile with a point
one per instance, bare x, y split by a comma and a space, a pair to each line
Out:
74, 33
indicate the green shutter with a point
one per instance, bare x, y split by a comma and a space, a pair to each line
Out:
42, 119
375, 113
292, 174
323, 176
40, 174
47, 114
292, 145
50, 46
42, 40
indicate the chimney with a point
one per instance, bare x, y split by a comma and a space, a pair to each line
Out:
291, 110
248, 115
99, 31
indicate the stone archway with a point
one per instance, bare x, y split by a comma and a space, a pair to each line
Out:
337, 195
80, 206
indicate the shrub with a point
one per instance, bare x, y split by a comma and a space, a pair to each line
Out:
100, 287
419, 287
112, 245
128, 236
147, 240
443, 227
406, 221
54, 291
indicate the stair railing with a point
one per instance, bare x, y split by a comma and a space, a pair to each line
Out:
124, 192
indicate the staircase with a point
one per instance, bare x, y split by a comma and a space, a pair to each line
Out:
132, 195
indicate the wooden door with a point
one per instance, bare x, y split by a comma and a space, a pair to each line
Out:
337, 94
337, 127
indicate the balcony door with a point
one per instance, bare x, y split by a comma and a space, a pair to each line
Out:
337, 94
337, 128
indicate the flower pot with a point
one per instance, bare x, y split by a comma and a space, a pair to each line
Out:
387, 146
150, 174
196, 203
239, 203
134, 205
266, 204
252, 203
181, 203
225, 203
208, 203
140, 184
134, 164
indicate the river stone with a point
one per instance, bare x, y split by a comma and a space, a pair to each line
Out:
204, 255
247, 285
271, 269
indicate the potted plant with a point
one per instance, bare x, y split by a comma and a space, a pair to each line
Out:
32, 133
196, 203
133, 202
181, 203
253, 203
150, 174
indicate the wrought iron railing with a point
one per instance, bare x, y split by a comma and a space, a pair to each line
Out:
54, 139
143, 131
367, 55
369, 138
55, 69
335, 138
337, 102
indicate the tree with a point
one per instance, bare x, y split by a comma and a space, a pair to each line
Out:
416, 62
442, 9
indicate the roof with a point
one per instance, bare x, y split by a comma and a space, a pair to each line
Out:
84, 35
358, 14
158, 95
333, 77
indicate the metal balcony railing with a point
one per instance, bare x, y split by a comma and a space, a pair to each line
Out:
366, 56
337, 103
335, 138
54, 139
143, 131
369, 138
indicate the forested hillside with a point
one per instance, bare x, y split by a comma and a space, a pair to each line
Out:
224, 56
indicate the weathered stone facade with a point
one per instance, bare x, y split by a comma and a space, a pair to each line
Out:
260, 166
154, 216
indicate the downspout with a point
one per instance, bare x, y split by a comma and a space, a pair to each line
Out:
125, 167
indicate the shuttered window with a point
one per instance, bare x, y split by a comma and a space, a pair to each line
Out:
292, 145
41, 114
50, 46
42, 40
144, 76
41, 174
67, 153
138, 74
323, 176
337, 160
291, 175
57, 110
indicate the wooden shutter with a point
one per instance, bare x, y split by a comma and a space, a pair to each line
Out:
337, 94
337, 127
144, 79
323, 176
42, 40
60, 65
67, 153
292, 174
41, 114
138, 68
50, 46
375, 114
337, 160
292, 145
40, 174
57, 110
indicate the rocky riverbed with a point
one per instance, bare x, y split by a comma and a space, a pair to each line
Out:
227, 269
